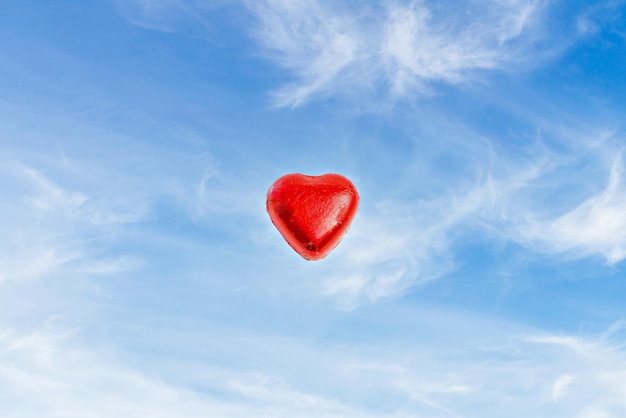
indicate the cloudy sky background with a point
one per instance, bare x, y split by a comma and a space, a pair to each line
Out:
482, 277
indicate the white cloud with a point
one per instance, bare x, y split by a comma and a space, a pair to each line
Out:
601, 16
33, 262
593, 412
420, 46
403, 45
457, 365
167, 15
34, 219
560, 386
51, 196
593, 370
44, 227
401, 245
111, 266
596, 226
45, 373
308, 39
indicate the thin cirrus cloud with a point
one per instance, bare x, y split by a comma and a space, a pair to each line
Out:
403, 47
167, 15
54, 224
399, 246
468, 374
595, 226
37, 236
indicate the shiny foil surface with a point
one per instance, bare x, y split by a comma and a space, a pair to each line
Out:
312, 213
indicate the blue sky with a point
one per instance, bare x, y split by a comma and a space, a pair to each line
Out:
483, 275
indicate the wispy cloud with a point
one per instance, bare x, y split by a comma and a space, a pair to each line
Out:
559, 389
32, 219
310, 40
46, 372
597, 382
167, 15
422, 44
401, 47
602, 16
46, 226
111, 266
501, 369
401, 245
596, 226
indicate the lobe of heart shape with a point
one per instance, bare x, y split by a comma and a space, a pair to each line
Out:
312, 213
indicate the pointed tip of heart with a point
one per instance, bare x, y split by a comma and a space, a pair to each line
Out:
312, 213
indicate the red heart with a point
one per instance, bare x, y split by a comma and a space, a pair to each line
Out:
312, 213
